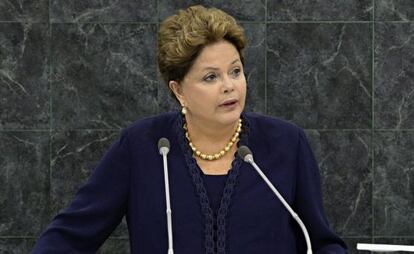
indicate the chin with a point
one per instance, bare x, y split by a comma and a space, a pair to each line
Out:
230, 117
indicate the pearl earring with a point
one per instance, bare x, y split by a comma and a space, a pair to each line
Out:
184, 110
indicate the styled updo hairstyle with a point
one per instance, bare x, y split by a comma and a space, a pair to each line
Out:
182, 37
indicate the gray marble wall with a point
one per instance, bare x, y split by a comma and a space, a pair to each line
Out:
73, 73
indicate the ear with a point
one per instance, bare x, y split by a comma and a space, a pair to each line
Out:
177, 90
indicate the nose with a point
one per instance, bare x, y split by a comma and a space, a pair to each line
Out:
228, 85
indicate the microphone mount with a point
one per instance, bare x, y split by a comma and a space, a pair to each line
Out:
246, 154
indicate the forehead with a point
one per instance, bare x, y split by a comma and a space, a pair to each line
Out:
221, 53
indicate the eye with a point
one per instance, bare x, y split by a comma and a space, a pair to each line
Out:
210, 77
236, 72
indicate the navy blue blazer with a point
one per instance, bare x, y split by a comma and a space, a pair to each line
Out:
129, 181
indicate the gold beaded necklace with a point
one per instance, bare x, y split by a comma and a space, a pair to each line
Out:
220, 154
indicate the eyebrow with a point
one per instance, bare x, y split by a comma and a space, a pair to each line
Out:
215, 68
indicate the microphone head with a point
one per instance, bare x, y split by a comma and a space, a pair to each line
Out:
244, 151
163, 143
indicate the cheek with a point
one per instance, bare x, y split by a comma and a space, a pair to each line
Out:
242, 93
243, 88
203, 98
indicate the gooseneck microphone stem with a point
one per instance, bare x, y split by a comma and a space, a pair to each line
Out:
247, 156
163, 147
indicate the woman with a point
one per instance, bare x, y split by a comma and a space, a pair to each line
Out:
219, 203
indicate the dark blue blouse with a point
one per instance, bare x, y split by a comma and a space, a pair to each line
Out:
214, 185
247, 217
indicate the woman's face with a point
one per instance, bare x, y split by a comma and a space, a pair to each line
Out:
214, 89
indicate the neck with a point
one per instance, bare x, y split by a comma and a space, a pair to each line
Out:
209, 136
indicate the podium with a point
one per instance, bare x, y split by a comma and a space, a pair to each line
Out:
385, 247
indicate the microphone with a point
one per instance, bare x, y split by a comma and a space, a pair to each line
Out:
164, 148
247, 155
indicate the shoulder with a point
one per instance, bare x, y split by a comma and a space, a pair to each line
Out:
152, 121
272, 126
151, 128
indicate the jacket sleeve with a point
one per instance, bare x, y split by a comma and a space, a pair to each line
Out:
97, 208
309, 204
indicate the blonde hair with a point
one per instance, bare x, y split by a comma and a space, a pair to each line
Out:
182, 37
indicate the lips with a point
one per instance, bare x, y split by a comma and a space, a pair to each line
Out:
229, 102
